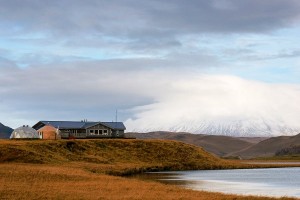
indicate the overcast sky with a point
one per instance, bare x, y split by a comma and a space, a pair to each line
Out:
158, 62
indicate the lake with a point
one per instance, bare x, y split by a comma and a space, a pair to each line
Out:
274, 182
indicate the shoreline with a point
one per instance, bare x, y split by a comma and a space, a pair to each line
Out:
100, 168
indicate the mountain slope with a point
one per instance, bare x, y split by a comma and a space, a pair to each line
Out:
269, 146
218, 145
235, 128
5, 131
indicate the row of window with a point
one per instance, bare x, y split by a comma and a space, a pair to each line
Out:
77, 134
99, 132
71, 131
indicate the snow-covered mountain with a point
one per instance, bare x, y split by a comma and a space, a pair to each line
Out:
247, 128
221, 105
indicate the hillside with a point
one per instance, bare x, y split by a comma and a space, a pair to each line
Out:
292, 150
218, 145
269, 147
111, 156
82, 169
5, 131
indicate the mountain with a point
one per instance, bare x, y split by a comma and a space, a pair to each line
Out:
226, 146
235, 128
218, 145
5, 131
292, 150
269, 147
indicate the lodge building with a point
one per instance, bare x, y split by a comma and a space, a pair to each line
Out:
85, 129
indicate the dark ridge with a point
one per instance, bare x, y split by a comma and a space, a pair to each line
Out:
5, 131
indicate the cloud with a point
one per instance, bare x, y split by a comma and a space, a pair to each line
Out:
5, 63
39, 33
87, 89
279, 55
147, 99
65, 59
90, 90
139, 23
207, 104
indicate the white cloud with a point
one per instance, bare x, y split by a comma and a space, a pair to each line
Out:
147, 98
196, 103
146, 58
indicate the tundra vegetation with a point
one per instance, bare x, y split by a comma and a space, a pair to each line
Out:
95, 169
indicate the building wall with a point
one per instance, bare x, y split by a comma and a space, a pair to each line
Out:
48, 132
98, 131
118, 133
47, 135
76, 133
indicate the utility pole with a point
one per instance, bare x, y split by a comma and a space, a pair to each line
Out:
116, 115
117, 131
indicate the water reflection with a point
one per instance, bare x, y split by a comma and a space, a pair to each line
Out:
165, 177
266, 182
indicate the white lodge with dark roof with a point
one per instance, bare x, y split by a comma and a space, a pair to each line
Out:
84, 129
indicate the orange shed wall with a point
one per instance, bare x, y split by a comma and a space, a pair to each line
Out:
49, 135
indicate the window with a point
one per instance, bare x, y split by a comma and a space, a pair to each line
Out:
105, 132
96, 132
100, 132
73, 131
92, 132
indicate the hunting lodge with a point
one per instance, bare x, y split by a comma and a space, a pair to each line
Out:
84, 129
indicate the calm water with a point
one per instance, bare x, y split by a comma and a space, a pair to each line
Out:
266, 182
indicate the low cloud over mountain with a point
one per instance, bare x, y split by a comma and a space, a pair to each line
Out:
222, 105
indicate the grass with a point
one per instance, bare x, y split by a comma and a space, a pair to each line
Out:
291, 157
82, 169
37, 181
119, 157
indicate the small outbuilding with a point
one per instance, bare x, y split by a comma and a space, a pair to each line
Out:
49, 132
24, 132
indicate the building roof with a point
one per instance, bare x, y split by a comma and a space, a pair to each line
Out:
24, 132
79, 124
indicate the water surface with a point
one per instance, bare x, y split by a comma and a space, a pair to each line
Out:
275, 182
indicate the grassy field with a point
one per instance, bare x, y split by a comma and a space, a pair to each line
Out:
295, 157
83, 169
118, 157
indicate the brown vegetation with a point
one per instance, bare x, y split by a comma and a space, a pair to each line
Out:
36, 181
114, 156
269, 147
79, 169
292, 150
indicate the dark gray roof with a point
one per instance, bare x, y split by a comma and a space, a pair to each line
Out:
115, 125
82, 125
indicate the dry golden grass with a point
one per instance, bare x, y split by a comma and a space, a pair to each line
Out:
292, 158
80, 169
40, 181
119, 157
